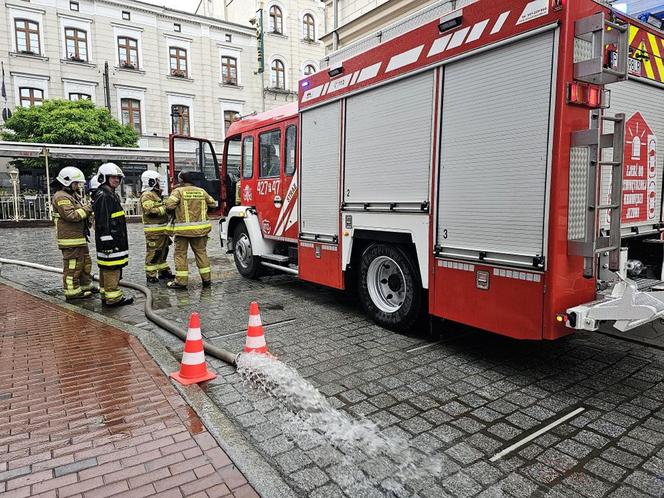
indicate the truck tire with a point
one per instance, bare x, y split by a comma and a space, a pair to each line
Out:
389, 287
246, 263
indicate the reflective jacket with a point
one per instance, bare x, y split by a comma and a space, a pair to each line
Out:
191, 206
155, 218
110, 229
71, 220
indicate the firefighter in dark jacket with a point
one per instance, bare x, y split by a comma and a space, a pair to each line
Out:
155, 227
191, 228
110, 235
72, 217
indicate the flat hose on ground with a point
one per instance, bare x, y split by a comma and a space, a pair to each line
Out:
219, 353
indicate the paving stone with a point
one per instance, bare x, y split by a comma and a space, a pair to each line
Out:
646, 482
310, 478
461, 485
605, 470
464, 453
541, 473
622, 458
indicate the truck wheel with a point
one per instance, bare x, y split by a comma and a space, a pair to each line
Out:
245, 261
389, 287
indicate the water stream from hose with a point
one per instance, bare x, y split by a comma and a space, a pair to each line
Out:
397, 463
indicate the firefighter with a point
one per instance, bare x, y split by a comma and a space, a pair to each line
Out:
191, 228
72, 216
155, 226
110, 235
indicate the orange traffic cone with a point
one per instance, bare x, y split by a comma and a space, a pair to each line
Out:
192, 368
255, 337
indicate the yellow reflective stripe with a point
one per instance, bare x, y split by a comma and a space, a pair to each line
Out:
203, 210
72, 264
81, 212
71, 242
73, 292
101, 291
148, 204
113, 263
162, 266
117, 214
112, 294
184, 273
204, 270
151, 267
64, 202
162, 210
70, 282
155, 229
193, 227
186, 212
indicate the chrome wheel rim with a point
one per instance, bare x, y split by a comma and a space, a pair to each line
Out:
386, 284
243, 251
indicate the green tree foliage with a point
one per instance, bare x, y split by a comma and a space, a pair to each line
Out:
65, 122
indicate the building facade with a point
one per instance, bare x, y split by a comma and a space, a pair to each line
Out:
156, 69
292, 49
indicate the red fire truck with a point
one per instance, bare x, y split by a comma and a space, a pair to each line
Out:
497, 165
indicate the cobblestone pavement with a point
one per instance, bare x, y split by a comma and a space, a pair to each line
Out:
463, 397
85, 411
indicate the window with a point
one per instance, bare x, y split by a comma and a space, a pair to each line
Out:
31, 97
276, 20
128, 52
291, 140
229, 118
180, 117
73, 6
228, 70
269, 153
131, 113
308, 28
229, 38
178, 58
77, 44
79, 96
27, 36
126, 15
248, 157
177, 27
309, 69
278, 74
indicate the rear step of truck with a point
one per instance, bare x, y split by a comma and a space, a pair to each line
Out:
626, 305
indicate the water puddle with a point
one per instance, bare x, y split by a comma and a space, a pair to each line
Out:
370, 458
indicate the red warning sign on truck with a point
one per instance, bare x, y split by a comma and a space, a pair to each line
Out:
639, 189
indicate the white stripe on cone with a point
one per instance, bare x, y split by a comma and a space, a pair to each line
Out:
256, 342
255, 321
193, 358
193, 334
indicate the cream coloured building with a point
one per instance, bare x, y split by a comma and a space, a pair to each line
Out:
157, 69
292, 49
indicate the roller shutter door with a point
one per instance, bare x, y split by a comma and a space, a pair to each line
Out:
495, 151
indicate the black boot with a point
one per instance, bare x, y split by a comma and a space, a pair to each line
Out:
207, 283
152, 280
166, 275
174, 285
122, 302
82, 295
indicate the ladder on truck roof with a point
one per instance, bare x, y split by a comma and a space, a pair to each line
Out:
623, 303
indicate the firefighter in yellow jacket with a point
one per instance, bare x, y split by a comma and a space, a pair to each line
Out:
72, 216
155, 227
191, 228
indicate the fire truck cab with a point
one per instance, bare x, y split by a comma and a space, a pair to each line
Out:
498, 165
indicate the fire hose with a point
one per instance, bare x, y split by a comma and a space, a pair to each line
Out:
219, 353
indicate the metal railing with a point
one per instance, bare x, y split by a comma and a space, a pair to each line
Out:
35, 207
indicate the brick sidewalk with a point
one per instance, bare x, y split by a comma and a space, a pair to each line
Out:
85, 411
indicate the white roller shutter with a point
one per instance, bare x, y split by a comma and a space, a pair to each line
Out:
388, 143
630, 97
494, 152
319, 174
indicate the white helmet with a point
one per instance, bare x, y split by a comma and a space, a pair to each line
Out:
94, 182
69, 175
149, 180
108, 169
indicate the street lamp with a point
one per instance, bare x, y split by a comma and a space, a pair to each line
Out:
13, 176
